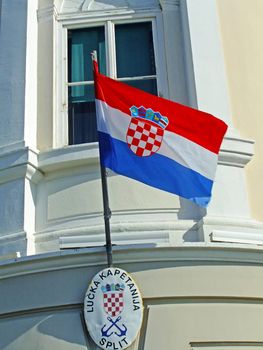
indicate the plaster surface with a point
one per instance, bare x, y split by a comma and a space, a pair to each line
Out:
241, 28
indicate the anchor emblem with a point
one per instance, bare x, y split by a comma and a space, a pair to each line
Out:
106, 332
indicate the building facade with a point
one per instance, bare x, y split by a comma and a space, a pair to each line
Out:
199, 270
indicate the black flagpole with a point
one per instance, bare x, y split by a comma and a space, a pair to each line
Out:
106, 208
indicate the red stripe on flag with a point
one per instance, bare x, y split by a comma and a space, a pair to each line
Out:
197, 126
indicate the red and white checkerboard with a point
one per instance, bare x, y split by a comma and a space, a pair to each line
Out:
113, 303
143, 138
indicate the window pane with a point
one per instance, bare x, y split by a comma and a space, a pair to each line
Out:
82, 115
81, 93
134, 50
81, 42
148, 85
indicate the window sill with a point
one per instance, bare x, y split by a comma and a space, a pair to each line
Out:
69, 156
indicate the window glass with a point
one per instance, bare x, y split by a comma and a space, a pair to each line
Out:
81, 111
82, 115
148, 85
81, 43
134, 50
135, 66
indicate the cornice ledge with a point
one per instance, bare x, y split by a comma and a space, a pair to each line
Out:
95, 257
11, 237
227, 236
150, 231
245, 223
12, 245
19, 163
47, 13
68, 157
169, 4
236, 151
231, 230
88, 6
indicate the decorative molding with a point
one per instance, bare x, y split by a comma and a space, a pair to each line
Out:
78, 18
236, 152
167, 5
73, 242
237, 237
47, 13
94, 257
13, 236
11, 147
246, 223
68, 157
93, 6
13, 245
121, 232
214, 229
19, 163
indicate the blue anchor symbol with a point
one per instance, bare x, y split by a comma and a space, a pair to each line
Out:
105, 332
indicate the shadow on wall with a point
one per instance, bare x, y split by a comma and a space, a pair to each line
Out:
61, 330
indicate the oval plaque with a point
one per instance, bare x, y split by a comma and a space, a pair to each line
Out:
113, 309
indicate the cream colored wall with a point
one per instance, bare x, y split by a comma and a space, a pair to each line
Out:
242, 28
194, 299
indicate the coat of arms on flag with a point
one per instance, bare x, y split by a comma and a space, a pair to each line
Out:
145, 132
170, 146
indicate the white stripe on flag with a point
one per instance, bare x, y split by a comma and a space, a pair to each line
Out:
185, 152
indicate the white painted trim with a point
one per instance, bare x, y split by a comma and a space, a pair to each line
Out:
110, 49
60, 122
11, 147
237, 237
19, 163
12, 236
126, 230
188, 58
60, 119
68, 157
145, 253
207, 58
21, 171
79, 19
246, 223
169, 4
98, 240
46, 13
236, 152
160, 62
174, 51
30, 123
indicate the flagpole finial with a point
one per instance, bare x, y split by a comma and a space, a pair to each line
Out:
94, 56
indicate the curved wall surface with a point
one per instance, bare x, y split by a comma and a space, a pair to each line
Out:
241, 28
207, 298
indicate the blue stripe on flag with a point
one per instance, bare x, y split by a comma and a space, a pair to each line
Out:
156, 170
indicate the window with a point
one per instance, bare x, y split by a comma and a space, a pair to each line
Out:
125, 52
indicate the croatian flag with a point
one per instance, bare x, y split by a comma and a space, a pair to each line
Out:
156, 141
